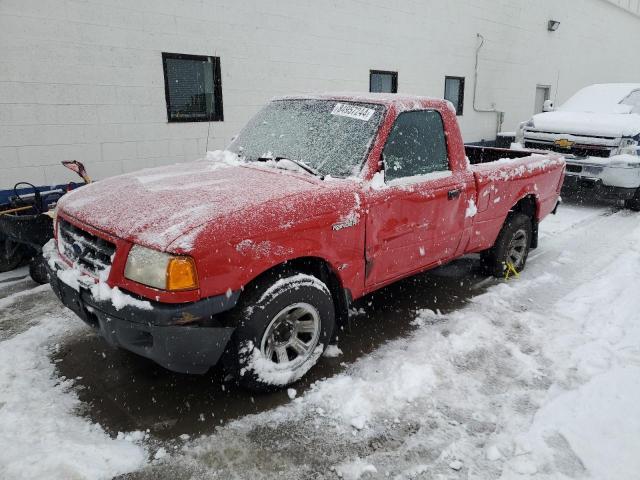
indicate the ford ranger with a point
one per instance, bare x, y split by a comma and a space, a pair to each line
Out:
598, 131
253, 255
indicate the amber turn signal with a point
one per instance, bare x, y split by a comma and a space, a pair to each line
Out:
181, 274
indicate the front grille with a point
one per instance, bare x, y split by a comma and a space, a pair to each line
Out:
574, 168
577, 150
92, 253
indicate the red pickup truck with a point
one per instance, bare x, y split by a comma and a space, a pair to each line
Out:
253, 255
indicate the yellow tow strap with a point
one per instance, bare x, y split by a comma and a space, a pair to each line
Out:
510, 270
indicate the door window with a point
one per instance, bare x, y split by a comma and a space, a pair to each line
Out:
416, 145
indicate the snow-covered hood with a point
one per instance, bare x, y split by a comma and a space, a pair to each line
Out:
156, 206
588, 124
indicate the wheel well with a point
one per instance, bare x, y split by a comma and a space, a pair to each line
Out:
529, 207
321, 269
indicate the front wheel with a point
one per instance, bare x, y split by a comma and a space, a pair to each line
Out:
511, 248
38, 270
634, 203
282, 327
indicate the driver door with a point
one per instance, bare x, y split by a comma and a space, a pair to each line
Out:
417, 219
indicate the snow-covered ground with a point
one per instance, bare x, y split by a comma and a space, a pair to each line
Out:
537, 377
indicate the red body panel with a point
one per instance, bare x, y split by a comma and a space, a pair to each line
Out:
249, 219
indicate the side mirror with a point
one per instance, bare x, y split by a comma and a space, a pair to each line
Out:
548, 106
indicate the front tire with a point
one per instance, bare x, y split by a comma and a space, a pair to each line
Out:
634, 203
38, 270
511, 247
282, 327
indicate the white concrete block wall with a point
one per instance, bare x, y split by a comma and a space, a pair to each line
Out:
83, 79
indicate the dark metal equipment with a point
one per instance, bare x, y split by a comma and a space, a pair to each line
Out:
26, 224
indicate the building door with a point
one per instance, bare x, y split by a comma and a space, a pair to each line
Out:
543, 93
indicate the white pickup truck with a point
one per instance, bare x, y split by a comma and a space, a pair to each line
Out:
598, 130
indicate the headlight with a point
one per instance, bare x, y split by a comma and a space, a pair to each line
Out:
628, 146
161, 270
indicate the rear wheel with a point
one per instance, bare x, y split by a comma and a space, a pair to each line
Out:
634, 203
511, 247
282, 328
11, 254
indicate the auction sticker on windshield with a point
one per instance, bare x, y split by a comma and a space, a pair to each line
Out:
353, 111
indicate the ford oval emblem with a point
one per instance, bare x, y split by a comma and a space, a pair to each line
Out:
77, 248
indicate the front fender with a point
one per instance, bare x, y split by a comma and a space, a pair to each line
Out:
233, 264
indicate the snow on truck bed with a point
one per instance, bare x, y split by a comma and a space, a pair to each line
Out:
507, 168
536, 378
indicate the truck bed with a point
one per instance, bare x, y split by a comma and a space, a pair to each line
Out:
478, 154
503, 178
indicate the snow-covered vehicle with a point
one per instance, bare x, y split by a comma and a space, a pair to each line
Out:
598, 131
255, 257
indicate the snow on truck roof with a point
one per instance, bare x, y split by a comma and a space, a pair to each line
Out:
403, 101
599, 98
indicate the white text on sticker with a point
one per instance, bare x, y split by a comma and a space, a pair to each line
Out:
353, 111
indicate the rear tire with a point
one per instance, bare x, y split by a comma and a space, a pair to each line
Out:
634, 203
512, 246
282, 326
11, 255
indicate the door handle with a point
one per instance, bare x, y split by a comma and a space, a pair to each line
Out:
455, 193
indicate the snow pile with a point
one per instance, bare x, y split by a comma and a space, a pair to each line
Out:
272, 373
42, 435
593, 413
377, 182
355, 469
595, 110
425, 177
599, 98
510, 168
471, 210
224, 157
295, 282
103, 292
332, 351
596, 124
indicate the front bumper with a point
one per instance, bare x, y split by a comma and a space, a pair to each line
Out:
575, 185
153, 333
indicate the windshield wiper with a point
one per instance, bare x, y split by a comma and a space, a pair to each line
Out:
300, 164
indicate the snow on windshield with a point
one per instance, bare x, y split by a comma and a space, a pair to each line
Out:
605, 98
331, 137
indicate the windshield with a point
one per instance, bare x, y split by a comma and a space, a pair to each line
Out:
600, 99
329, 136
